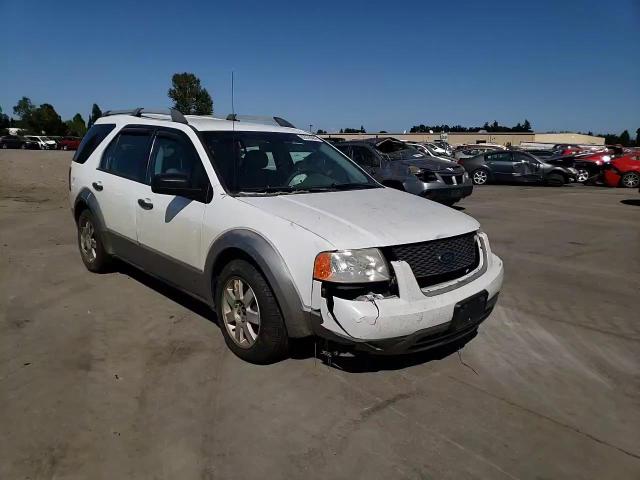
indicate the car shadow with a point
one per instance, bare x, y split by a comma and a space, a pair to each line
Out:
181, 298
631, 201
351, 361
340, 357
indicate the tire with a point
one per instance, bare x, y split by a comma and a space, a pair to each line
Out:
64, 147
583, 175
92, 251
555, 180
4, 146
253, 329
630, 180
480, 176
23, 146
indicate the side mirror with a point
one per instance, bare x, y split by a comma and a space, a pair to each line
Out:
176, 184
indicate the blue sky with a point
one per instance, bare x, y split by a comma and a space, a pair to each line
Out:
564, 65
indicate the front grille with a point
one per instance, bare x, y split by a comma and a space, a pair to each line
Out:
438, 261
449, 179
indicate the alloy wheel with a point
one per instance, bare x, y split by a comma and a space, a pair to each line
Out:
480, 177
241, 313
583, 175
631, 180
88, 242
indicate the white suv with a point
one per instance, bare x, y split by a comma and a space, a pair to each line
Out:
280, 233
44, 143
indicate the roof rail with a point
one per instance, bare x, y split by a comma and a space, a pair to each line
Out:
176, 115
234, 117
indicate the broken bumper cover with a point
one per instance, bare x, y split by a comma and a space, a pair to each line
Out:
417, 319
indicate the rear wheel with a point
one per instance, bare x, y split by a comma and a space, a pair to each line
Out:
4, 145
23, 146
630, 180
64, 147
92, 251
249, 315
480, 176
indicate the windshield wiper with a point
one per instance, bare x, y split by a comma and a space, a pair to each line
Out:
268, 189
352, 186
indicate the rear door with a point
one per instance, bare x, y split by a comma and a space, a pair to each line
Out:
501, 165
119, 182
168, 224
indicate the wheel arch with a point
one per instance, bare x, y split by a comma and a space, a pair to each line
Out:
86, 200
248, 245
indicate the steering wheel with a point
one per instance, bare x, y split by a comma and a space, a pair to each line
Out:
308, 174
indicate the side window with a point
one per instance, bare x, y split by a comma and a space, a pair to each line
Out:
364, 157
174, 153
521, 157
344, 149
91, 140
499, 157
128, 154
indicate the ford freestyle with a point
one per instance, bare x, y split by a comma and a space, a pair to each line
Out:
280, 233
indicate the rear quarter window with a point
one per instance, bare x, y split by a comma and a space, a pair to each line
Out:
91, 140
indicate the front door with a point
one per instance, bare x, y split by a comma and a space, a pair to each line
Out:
171, 226
528, 168
501, 166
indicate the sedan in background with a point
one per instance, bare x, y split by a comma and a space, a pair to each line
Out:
12, 141
43, 142
516, 167
69, 143
397, 165
623, 171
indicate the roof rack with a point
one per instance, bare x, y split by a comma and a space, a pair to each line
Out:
176, 115
234, 117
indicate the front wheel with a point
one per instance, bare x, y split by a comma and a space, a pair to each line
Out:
630, 180
480, 176
555, 180
248, 314
583, 175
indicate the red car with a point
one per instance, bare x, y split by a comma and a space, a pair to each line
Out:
623, 171
69, 143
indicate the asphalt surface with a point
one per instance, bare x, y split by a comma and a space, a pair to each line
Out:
115, 376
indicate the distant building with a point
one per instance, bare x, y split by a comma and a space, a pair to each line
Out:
508, 138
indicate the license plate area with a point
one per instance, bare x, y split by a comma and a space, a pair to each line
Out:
469, 311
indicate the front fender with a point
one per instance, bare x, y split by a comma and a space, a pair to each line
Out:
273, 267
87, 197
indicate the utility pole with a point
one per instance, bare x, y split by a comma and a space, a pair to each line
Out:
310, 128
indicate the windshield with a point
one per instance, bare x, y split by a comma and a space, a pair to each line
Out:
276, 163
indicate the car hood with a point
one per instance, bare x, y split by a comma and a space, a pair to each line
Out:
367, 218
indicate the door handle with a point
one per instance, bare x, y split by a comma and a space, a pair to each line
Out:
145, 203
98, 186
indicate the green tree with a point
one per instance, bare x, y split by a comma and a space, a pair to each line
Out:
625, 139
24, 110
46, 119
188, 96
527, 126
638, 137
362, 130
96, 113
5, 122
76, 126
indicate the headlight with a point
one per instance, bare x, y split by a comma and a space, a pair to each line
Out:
606, 158
351, 266
413, 170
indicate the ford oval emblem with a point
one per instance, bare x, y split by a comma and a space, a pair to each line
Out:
446, 258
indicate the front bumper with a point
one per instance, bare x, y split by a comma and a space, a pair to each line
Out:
415, 319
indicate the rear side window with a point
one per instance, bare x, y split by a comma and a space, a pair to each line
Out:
128, 154
91, 140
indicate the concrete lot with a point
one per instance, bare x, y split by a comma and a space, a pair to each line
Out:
115, 376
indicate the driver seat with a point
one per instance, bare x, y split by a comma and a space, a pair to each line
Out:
252, 172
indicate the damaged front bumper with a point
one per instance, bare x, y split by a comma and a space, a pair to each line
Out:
416, 319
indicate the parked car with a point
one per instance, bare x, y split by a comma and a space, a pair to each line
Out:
429, 152
44, 143
516, 166
281, 234
448, 150
623, 171
467, 151
541, 154
12, 141
397, 165
69, 143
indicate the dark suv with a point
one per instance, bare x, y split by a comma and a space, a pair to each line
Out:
395, 164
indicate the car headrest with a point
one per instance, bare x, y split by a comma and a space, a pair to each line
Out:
255, 159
